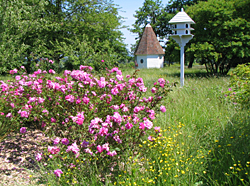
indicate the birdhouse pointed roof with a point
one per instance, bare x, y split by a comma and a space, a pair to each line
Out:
148, 44
181, 17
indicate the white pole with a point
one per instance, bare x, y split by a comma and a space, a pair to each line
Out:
182, 66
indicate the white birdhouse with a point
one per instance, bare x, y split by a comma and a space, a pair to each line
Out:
182, 34
181, 28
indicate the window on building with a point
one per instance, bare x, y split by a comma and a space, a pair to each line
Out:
141, 60
186, 31
175, 26
175, 32
186, 25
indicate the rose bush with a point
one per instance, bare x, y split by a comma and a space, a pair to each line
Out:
239, 91
94, 120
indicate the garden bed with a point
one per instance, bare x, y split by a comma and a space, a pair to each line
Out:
17, 157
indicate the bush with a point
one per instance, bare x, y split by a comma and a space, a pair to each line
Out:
239, 91
94, 121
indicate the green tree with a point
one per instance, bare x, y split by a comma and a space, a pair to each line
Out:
78, 30
222, 34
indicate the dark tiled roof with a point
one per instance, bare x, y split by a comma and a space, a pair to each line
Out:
149, 45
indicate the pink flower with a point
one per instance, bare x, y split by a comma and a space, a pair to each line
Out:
142, 126
115, 107
117, 117
65, 141
58, 172
114, 91
150, 138
148, 124
99, 148
24, 114
136, 109
70, 98
79, 121
53, 150
57, 140
163, 109
87, 150
102, 83
53, 120
125, 109
45, 111
157, 129
40, 100
128, 125
51, 71
39, 156
13, 71
74, 148
102, 60
9, 115
51, 61
43, 124
105, 147
103, 131
85, 100
18, 78
153, 90
12, 105
23, 130
161, 81
113, 153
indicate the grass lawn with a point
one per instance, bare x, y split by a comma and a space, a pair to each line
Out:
205, 139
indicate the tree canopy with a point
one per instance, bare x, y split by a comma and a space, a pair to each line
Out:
222, 34
83, 31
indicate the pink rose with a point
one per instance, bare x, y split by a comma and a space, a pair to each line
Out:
163, 109
23, 130
65, 141
39, 156
58, 172
57, 140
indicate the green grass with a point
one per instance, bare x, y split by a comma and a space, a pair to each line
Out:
208, 136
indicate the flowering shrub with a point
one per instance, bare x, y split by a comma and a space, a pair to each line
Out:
93, 120
239, 93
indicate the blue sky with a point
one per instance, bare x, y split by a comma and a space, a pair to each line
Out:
128, 8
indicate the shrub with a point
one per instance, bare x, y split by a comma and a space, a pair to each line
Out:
239, 91
94, 120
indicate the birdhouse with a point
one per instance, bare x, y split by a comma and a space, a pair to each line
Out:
181, 27
182, 35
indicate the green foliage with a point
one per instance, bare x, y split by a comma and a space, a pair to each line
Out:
221, 34
239, 91
33, 29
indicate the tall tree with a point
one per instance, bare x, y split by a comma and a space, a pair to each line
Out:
222, 34
55, 29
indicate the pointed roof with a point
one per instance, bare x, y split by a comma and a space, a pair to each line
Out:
181, 17
148, 43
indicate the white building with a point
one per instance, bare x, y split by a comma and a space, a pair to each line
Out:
149, 53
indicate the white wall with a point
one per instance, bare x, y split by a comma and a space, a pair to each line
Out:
154, 61
150, 61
